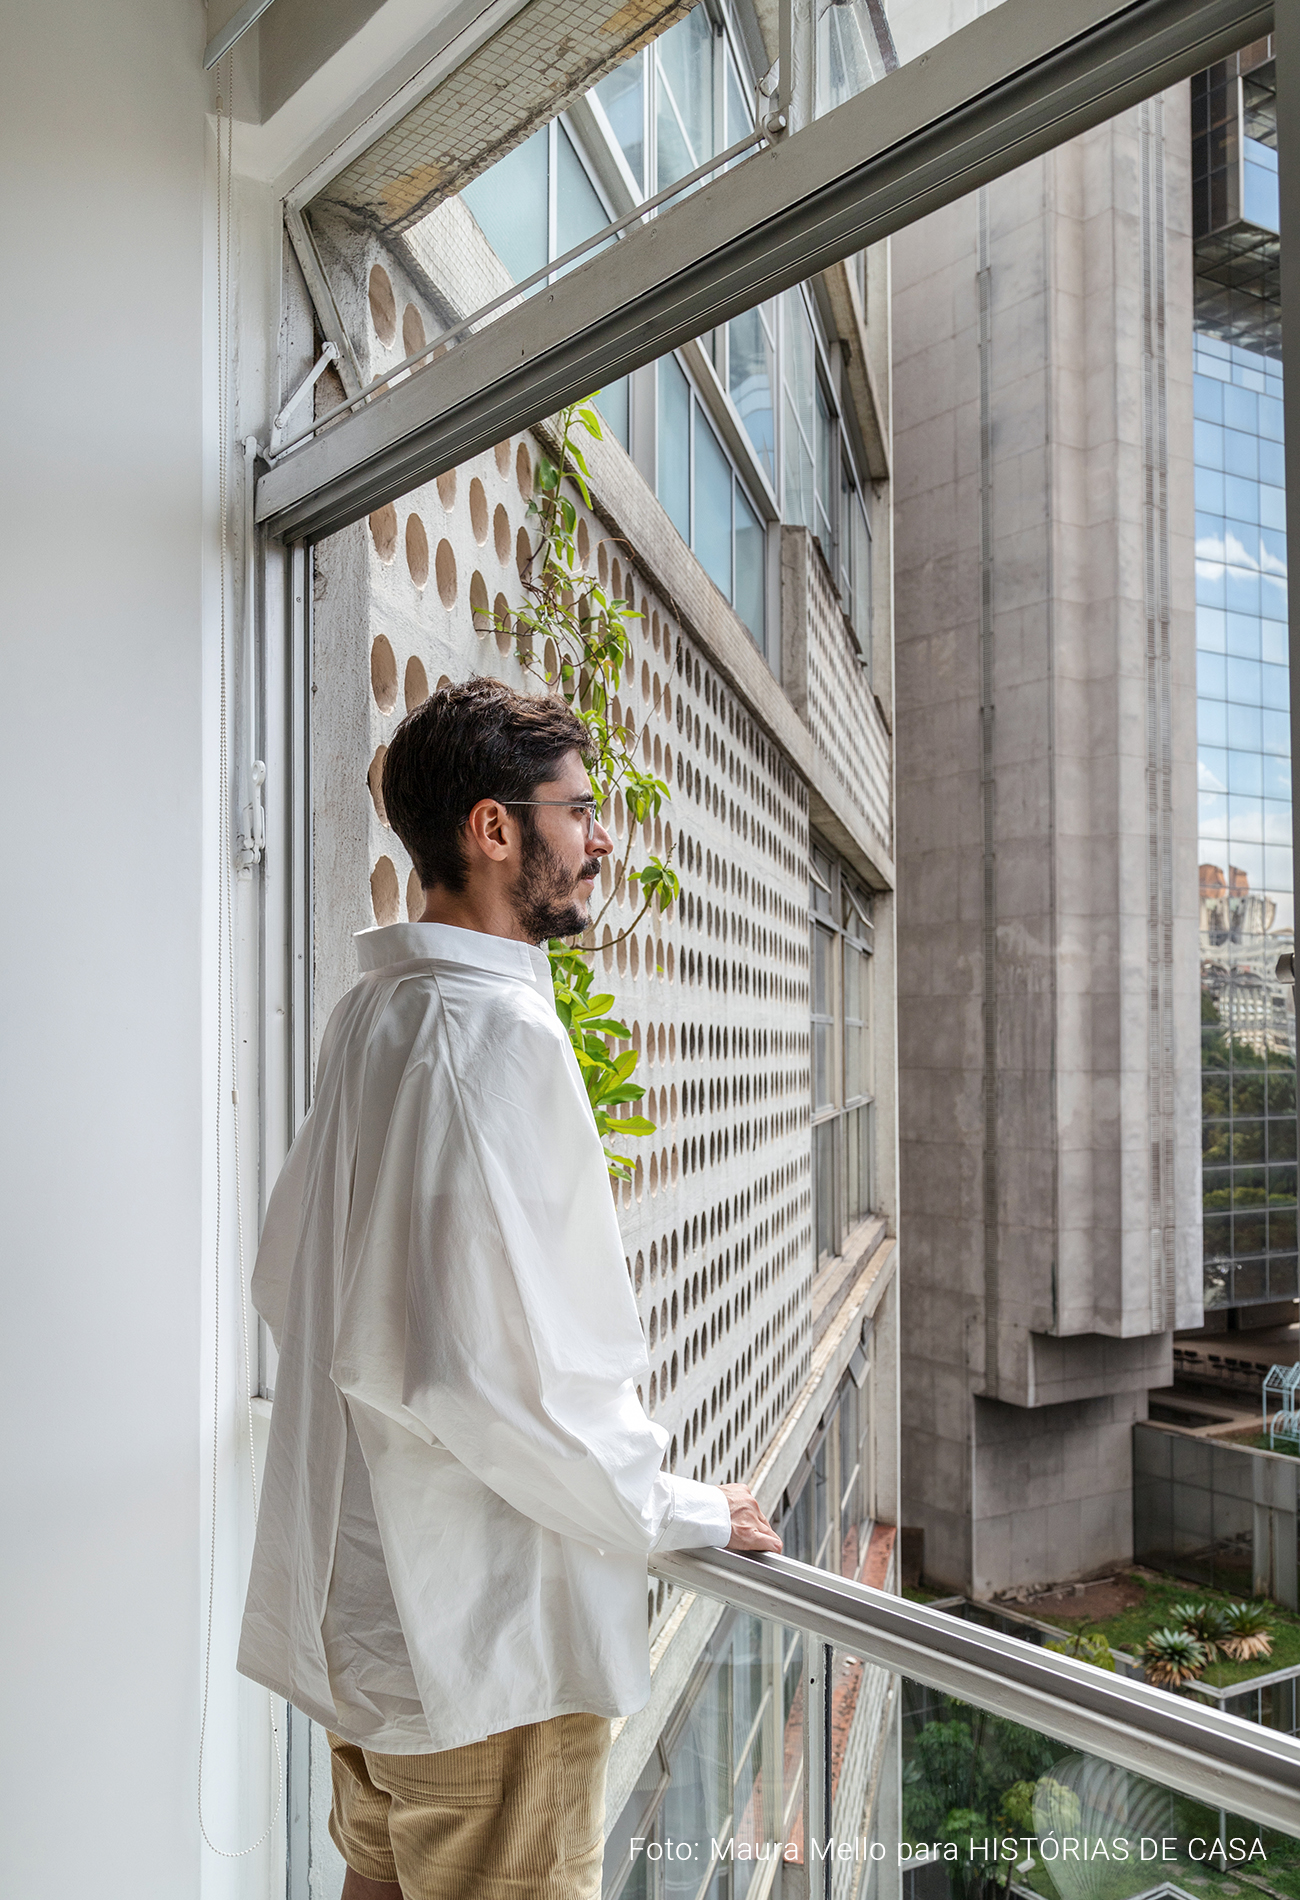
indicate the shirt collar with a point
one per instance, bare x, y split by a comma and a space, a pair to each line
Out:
379, 949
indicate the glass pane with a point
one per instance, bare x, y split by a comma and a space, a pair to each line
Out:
982, 1805
1246, 901
684, 98
622, 95
822, 1501
754, 1689
859, 1124
822, 1065
825, 439
798, 419
751, 570
578, 210
844, 539
740, 116
801, 357
614, 404
750, 376
697, 1803
632, 1824
914, 26
797, 500
857, 1049
1000, 1801
856, 1080
1259, 198
673, 449
860, 610
849, 51
854, 977
509, 206
712, 505
827, 1213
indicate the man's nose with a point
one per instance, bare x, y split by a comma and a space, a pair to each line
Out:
600, 843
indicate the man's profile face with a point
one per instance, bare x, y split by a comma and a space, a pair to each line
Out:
559, 865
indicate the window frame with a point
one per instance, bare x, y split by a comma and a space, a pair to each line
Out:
840, 907
986, 98
699, 404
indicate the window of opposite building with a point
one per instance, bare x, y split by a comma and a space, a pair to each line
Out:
705, 498
842, 1068
1243, 689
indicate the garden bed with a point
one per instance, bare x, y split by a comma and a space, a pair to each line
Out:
1258, 1441
1128, 1607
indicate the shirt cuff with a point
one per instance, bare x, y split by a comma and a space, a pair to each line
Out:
700, 1518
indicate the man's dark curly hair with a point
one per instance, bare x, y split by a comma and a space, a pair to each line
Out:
479, 739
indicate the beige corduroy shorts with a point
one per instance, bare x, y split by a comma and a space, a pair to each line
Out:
519, 1816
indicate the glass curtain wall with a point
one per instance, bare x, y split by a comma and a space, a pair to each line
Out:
1244, 762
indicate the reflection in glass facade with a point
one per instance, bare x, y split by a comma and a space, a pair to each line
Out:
1244, 771
1244, 740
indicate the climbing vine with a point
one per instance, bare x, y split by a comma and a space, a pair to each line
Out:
572, 635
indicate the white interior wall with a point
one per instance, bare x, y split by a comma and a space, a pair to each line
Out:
101, 527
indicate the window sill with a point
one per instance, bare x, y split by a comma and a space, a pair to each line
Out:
833, 1281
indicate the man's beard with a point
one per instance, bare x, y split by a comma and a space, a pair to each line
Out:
543, 899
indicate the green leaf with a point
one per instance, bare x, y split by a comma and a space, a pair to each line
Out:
589, 633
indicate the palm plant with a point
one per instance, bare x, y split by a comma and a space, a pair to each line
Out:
1172, 1657
1207, 1622
1248, 1632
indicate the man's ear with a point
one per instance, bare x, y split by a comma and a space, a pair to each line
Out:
491, 830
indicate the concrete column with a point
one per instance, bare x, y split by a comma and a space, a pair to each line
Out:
1046, 840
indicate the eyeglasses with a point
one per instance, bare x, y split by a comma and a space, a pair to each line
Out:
587, 806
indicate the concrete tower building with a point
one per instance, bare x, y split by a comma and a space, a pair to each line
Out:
1047, 922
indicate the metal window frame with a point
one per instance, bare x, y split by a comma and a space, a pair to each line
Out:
709, 382
837, 1113
1018, 80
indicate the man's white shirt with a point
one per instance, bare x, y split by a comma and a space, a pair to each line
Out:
462, 1487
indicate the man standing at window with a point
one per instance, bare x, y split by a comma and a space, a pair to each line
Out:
461, 1485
